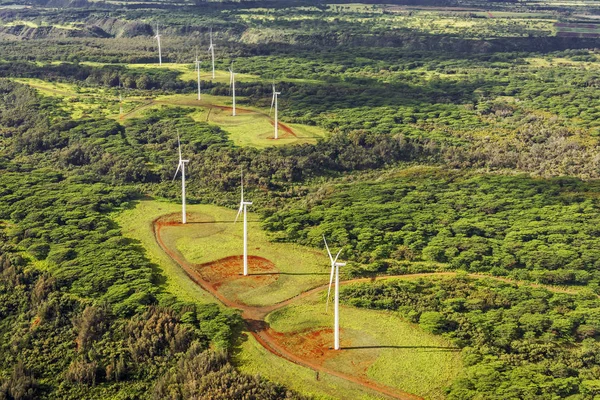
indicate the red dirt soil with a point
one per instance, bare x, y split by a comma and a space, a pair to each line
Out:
262, 272
314, 345
285, 128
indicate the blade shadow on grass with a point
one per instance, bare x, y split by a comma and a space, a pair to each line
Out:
216, 222
430, 348
289, 273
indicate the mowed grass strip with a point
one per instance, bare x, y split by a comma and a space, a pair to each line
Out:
249, 356
251, 127
377, 344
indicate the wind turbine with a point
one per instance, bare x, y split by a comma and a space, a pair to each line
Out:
274, 102
198, 70
232, 85
157, 37
182, 166
211, 48
335, 266
243, 205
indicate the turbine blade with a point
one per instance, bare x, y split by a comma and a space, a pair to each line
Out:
175, 176
336, 257
179, 145
331, 275
328, 251
239, 212
330, 283
272, 102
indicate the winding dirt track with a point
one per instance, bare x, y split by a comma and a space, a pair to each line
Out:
259, 328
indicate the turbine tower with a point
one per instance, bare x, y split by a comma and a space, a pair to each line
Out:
274, 102
335, 266
157, 37
182, 166
211, 48
198, 70
232, 85
243, 205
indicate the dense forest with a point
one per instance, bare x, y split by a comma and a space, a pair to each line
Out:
456, 140
518, 342
516, 226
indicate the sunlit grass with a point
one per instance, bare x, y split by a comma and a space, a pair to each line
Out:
301, 267
396, 353
136, 223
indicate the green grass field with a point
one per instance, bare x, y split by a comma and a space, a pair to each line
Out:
254, 129
389, 349
251, 127
82, 102
250, 357
300, 268
415, 361
136, 223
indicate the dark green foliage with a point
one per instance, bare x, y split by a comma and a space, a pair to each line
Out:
542, 230
91, 324
517, 342
198, 371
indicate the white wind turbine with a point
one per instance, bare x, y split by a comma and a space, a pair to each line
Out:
198, 71
335, 266
211, 48
274, 103
243, 205
232, 85
157, 37
182, 166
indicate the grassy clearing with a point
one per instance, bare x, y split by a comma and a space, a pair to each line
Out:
52, 88
397, 354
82, 102
300, 268
187, 71
253, 129
136, 223
249, 356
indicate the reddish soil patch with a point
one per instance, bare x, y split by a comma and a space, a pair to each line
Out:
314, 345
261, 271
